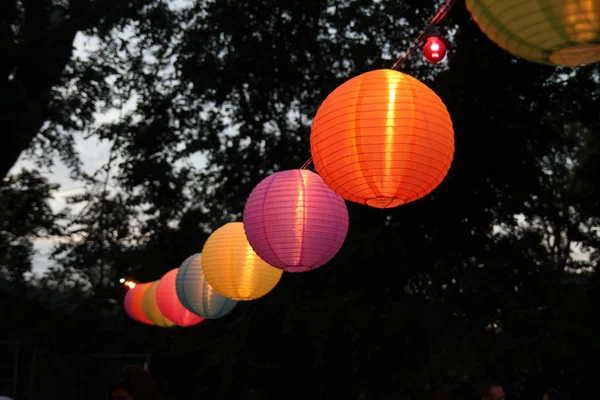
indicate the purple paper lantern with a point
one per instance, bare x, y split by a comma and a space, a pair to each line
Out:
127, 304
294, 222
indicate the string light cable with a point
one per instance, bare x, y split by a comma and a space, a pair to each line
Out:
428, 31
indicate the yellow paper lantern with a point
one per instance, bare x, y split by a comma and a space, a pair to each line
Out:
151, 310
232, 267
553, 32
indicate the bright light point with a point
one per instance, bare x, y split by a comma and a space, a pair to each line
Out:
130, 284
434, 50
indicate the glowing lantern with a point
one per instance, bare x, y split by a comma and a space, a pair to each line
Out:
127, 304
150, 307
232, 267
179, 284
137, 297
294, 221
382, 139
434, 50
169, 304
196, 294
554, 32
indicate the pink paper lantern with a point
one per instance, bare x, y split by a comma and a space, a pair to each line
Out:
169, 304
294, 222
127, 304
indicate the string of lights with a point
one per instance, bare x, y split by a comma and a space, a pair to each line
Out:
434, 51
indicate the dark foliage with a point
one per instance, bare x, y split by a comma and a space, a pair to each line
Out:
490, 275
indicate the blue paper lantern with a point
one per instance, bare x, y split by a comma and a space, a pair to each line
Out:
179, 283
196, 294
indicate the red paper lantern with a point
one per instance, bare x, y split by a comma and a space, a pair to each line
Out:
169, 304
434, 50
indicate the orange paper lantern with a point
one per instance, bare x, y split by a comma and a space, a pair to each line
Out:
382, 139
137, 308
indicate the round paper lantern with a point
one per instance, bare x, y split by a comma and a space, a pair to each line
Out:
232, 267
127, 304
137, 297
293, 221
150, 307
169, 304
382, 139
554, 32
182, 298
197, 295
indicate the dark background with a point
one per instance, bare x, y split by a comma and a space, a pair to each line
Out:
451, 288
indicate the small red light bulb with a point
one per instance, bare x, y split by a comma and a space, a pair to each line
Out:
434, 50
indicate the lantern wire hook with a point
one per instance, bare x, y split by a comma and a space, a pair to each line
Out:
438, 17
432, 24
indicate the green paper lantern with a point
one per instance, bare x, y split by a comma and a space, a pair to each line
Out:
551, 32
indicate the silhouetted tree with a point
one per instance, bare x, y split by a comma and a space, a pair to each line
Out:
487, 276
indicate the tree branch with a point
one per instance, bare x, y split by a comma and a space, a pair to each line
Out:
40, 59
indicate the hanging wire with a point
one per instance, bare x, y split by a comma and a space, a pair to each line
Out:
434, 21
307, 163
